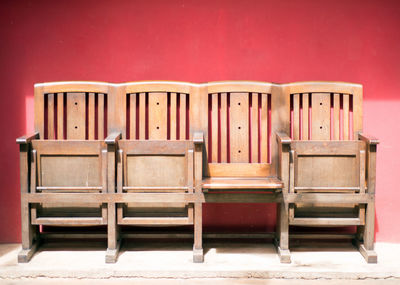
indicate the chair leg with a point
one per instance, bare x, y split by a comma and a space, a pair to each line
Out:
113, 241
282, 234
368, 231
30, 236
198, 256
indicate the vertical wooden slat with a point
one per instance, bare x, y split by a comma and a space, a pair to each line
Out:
50, 116
357, 111
104, 170
264, 128
132, 116
223, 114
60, 116
305, 117
321, 105
182, 117
190, 171
345, 116
296, 116
115, 99
239, 127
76, 116
254, 128
198, 113
100, 116
33, 171
142, 116
292, 182
214, 128
27, 229
173, 116
158, 107
39, 110
91, 116
336, 116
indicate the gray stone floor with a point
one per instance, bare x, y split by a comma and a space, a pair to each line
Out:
226, 262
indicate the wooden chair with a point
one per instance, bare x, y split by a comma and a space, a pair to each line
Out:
155, 164
329, 162
240, 120
63, 166
172, 146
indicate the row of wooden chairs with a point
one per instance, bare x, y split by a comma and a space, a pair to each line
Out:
152, 153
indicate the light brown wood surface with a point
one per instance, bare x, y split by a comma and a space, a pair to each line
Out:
186, 137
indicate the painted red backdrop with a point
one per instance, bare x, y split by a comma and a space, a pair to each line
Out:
279, 41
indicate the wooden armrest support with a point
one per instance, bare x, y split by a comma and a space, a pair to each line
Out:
198, 138
368, 139
283, 138
27, 138
113, 138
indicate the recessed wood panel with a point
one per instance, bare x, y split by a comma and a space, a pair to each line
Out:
156, 170
239, 127
329, 171
63, 171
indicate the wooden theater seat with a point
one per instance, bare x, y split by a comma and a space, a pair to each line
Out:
152, 153
241, 183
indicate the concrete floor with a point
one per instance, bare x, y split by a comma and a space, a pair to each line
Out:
195, 281
226, 262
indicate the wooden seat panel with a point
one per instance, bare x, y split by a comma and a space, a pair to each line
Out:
242, 183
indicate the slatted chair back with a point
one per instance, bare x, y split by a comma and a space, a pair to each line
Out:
72, 110
154, 110
242, 118
153, 113
324, 110
70, 155
325, 119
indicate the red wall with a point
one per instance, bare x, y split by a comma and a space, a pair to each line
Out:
280, 41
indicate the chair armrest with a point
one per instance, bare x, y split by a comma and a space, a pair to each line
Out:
198, 138
27, 138
284, 142
283, 138
113, 138
371, 160
368, 139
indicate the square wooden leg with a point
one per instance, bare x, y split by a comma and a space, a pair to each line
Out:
282, 235
112, 253
367, 232
113, 241
198, 256
25, 255
30, 235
